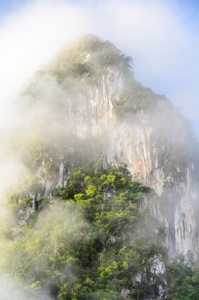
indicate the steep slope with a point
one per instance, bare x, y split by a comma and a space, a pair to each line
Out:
86, 107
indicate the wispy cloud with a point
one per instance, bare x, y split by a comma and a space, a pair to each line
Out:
157, 34
29, 38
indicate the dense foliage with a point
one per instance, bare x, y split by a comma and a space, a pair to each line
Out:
92, 243
183, 279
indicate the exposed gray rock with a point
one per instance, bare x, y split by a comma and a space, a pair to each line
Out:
138, 143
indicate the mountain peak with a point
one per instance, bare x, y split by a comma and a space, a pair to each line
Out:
90, 57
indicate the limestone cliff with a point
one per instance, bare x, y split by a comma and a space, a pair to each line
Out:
97, 96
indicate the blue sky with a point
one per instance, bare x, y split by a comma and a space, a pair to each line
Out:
162, 36
9, 6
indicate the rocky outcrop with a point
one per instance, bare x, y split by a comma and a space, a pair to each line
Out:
176, 185
135, 142
95, 104
155, 143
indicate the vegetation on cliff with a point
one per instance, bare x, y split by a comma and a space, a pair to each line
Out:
183, 278
92, 243
89, 59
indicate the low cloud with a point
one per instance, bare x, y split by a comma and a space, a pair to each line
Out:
157, 34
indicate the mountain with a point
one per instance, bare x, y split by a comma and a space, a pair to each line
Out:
85, 111
117, 120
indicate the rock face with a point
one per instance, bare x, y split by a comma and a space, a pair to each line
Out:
176, 187
133, 144
95, 105
152, 138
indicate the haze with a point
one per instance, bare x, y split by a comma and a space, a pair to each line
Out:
161, 36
